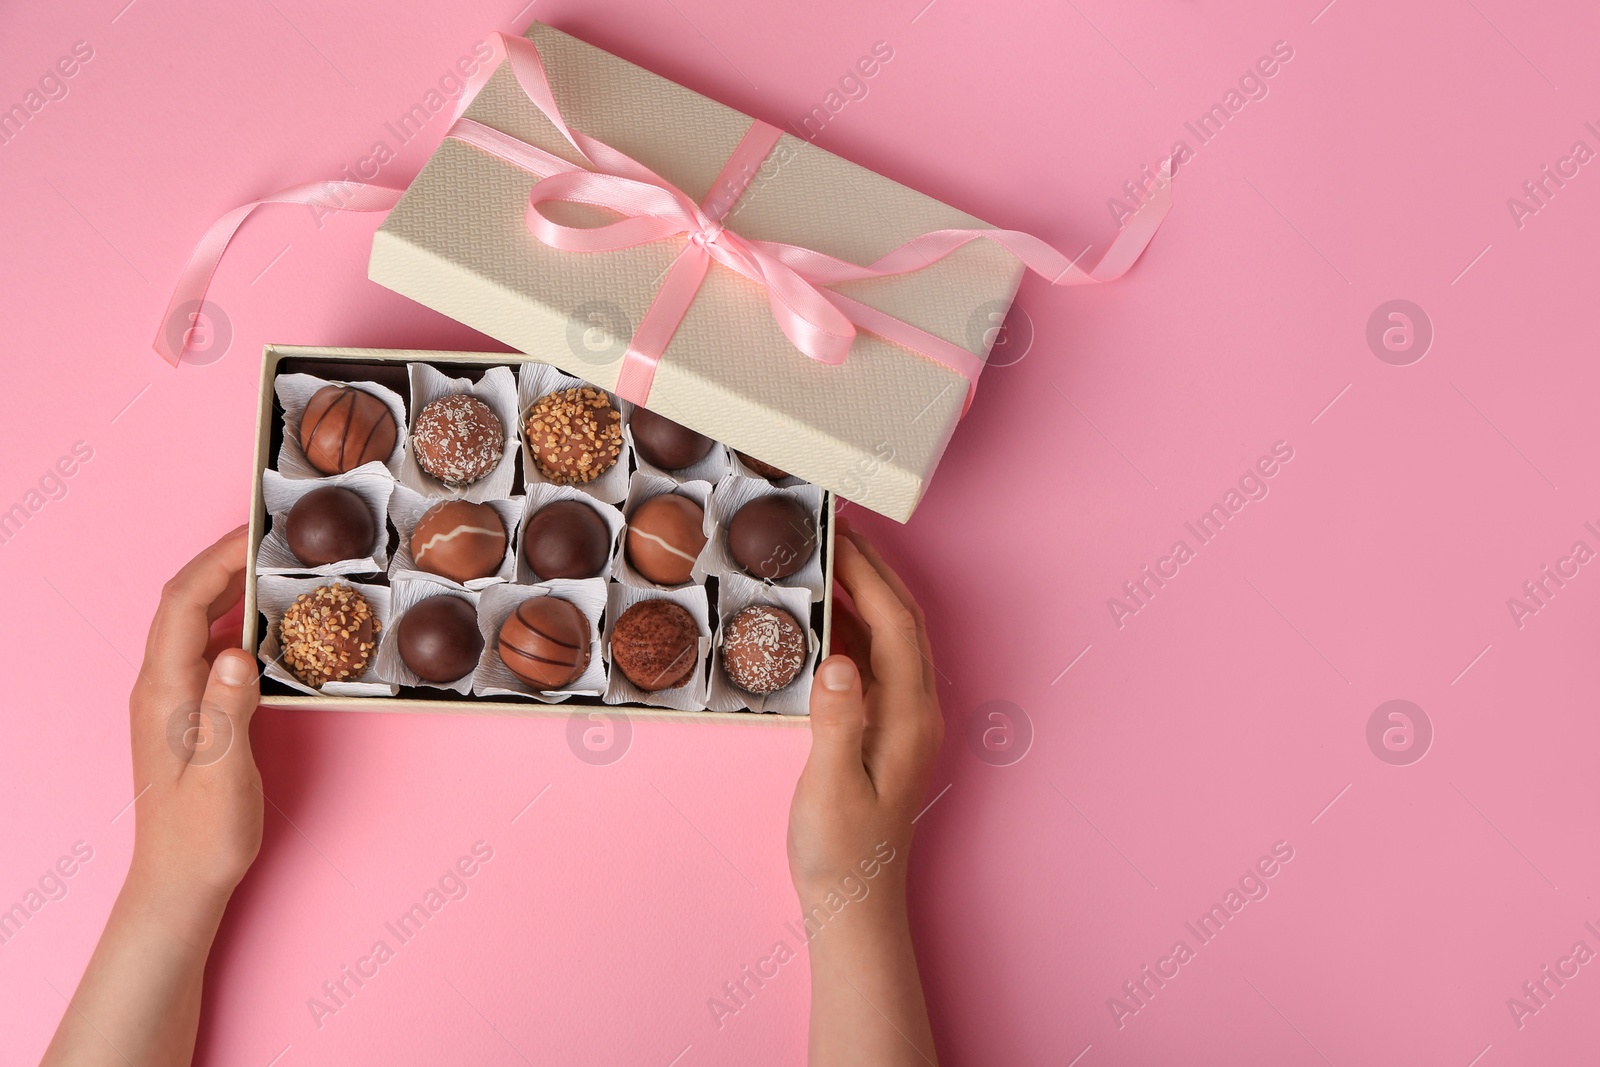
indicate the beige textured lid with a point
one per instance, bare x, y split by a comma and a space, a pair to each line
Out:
871, 429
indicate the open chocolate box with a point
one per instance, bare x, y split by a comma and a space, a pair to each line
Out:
497, 583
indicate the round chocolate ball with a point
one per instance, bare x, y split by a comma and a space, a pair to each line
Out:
329, 524
566, 539
459, 540
545, 642
328, 635
574, 435
772, 536
665, 535
763, 649
656, 644
342, 428
439, 638
665, 443
458, 439
765, 470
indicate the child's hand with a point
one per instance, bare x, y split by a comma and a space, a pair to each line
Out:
875, 729
198, 824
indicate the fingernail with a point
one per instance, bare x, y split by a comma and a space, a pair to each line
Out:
236, 531
837, 674
235, 670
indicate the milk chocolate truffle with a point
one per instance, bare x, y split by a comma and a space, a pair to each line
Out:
566, 539
766, 470
328, 635
574, 435
665, 534
458, 440
329, 524
459, 540
656, 644
545, 642
763, 649
342, 428
665, 443
439, 638
772, 536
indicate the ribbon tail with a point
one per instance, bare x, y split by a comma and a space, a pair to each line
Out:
660, 322
202, 266
1130, 243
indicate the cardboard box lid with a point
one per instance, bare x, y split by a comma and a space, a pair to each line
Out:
871, 429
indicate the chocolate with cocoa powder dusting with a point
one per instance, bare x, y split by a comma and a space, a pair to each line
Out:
328, 635
574, 435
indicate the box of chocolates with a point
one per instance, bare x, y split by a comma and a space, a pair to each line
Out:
482, 532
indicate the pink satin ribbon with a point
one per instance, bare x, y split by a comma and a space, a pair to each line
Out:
819, 322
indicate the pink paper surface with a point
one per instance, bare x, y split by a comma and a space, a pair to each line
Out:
1171, 747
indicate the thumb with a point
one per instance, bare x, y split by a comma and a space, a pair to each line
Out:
223, 723
838, 720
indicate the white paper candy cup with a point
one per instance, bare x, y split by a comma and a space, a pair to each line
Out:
276, 592
536, 380
495, 605
642, 487
541, 494
406, 508
735, 592
406, 594
691, 696
713, 468
744, 470
372, 482
295, 392
497, 389
733, 493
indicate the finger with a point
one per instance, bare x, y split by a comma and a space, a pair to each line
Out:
204, 590
897, 656
218, 734
838, 721
850, 637
903, 593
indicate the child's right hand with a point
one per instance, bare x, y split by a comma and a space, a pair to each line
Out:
875, 730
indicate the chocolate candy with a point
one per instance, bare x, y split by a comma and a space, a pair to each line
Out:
342, 428
772, 536
459, 540
330, 524
665, 534
439, 638
574, 435
545, 642
458, 440
656, 644
665, 443
328, 635
763, 649
765, 470
566, 539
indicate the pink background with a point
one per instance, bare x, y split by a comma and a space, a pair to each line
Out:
1223, 717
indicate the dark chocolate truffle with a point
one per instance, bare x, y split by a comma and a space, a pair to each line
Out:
342, 428
656, 644
545, 642
763, 649
574, 435
328, 635
772, 536
329, 524
665, 535
765, 470
439, 638
459, 540
566, 539
458, 440
665, 443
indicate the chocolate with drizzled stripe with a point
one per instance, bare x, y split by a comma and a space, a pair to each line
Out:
342, 428
545, 642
